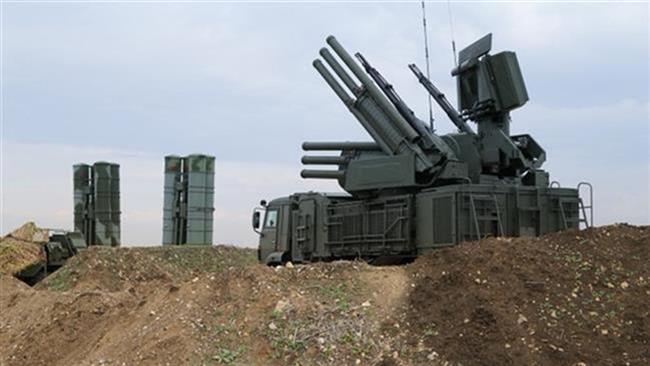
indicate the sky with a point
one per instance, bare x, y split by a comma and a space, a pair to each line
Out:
133, 82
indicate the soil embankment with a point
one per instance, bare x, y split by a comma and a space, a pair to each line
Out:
571, 298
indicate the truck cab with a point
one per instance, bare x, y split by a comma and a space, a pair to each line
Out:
61, 246
296, 228
274, 230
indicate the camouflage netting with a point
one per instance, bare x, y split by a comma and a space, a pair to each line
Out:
21, 248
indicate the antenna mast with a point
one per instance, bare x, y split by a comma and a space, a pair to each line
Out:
451, 30
426, 57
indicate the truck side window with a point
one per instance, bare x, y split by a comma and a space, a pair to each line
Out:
271, 219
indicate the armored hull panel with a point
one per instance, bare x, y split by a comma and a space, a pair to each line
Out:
322, 228
452, 214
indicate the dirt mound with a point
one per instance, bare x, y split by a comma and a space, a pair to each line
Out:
568, 298
30, 232
115, 269
187, 305
138, 306
10, 283
565, 298
22, 248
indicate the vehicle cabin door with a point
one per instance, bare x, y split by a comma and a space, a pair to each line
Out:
283, 231
275, 232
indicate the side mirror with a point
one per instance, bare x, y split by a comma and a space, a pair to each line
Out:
256, 220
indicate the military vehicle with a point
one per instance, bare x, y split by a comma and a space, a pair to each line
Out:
60, 246
411, 190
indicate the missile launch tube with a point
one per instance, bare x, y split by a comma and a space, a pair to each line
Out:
400, 122
349, 102
322, 174
344, 145
329, 79
338, 69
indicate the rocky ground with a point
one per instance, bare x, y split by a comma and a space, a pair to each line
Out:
572, 298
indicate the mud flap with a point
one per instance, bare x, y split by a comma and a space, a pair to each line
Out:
274, 258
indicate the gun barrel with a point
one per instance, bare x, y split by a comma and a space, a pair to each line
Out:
394, 98
322, 174
324, 160
343, 145
453, 115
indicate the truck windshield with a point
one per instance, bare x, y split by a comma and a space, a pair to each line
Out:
271, 219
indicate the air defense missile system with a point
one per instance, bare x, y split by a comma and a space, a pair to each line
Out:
411, 190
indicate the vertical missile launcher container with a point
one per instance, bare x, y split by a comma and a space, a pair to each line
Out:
188, 200
97, 202
411, 190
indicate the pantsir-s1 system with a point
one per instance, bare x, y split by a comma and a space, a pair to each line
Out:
411, 190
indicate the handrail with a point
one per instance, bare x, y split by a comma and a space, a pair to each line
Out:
590, 223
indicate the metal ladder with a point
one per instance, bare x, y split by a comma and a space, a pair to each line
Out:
566, 221
582, 208
485, 218
588, 222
